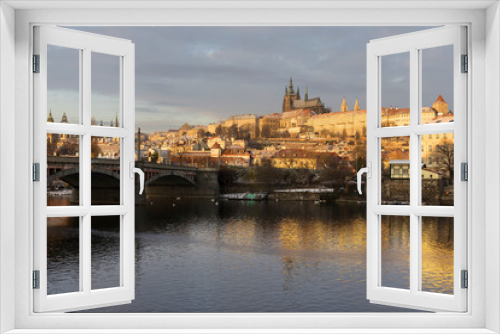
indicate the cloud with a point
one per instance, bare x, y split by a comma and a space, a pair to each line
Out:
204, 74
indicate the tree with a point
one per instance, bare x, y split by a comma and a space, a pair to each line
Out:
218, 130
243, 133
344, 134
94, 149
153, 156
232, 131
227, 176
445, 153
334, 170
68, 149
324, 133
52, 144
266, 131
360, 155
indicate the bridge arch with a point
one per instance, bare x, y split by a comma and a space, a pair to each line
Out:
67, 175
187, 180
63, 173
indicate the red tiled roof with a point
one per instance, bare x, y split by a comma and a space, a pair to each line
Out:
440, 99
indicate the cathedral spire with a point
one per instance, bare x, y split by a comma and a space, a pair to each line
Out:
116, 120
356, 105
344, 106
50, 119
306, 95
298, 93
290, 90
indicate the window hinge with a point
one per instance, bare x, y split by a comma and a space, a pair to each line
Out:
465, 279
36, 63
465, 64
36, 279
36, 172
464, 171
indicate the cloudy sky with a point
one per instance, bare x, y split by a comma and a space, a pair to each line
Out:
200, 75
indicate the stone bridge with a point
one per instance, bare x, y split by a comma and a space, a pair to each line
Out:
160, 180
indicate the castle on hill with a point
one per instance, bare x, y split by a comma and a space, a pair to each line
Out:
292, 101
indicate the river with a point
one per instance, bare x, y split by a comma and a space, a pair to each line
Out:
245, 256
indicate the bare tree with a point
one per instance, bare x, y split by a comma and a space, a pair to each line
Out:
344, 134
445, 153
218, 130
94, 149
266, 131
324, 133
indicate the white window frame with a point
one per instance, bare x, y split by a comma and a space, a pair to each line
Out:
86, 45
412, 44
483, 20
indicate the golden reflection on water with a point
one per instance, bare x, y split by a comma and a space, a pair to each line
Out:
302, 236
395, 266
240, 232
321, 244
437, 254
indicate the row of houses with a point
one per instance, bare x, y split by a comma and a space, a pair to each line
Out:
238, 156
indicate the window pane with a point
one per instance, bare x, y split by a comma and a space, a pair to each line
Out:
395, 169
438, 169
105, 90
63, 169
63, 255
395, 89
63, 85
395, 234
105, 152
105, 252
437, 254
437, 85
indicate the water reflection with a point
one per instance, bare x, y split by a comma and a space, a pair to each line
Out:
395, 251
437, 254
63, 251
252, 257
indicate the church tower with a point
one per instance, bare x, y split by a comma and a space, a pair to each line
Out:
64, 118
290, 95
356, 105
344, 107
50, 119
441, 106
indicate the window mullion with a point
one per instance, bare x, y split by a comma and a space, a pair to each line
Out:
414, 171
85, 179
